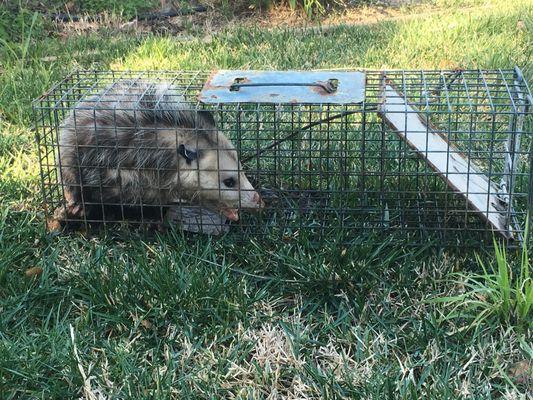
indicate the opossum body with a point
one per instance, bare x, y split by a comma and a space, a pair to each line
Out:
135, 144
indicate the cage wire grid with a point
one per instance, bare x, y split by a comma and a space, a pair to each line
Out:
320, 168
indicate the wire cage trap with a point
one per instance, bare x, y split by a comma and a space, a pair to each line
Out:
442, 154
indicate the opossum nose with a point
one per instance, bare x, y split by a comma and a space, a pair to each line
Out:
258, 200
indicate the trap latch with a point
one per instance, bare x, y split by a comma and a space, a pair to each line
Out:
332, 87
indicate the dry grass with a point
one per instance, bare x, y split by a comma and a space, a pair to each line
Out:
278, 16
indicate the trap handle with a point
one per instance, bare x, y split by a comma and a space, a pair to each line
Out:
329, 86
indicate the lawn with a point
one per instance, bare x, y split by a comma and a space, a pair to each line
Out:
170, 317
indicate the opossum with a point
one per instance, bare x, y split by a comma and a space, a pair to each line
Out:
136, 143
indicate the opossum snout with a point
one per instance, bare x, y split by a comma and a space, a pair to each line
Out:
250, 199
256, 198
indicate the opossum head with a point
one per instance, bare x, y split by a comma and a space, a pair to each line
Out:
210, 171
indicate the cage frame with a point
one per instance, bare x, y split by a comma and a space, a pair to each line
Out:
512, 86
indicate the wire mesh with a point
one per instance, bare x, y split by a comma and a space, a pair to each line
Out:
287, 170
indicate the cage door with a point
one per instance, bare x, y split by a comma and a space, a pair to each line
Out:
460, 173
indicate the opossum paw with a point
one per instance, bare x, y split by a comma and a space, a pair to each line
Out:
75, 210
54, 222
60, 213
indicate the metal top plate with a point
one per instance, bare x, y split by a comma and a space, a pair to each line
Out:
283, 87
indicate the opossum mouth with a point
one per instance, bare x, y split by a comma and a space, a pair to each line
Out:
230, 213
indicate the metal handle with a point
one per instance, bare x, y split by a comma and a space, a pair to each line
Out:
330, 86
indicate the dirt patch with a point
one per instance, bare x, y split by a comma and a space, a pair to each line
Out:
200, 24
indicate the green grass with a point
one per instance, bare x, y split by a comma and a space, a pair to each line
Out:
129, 316
497, 295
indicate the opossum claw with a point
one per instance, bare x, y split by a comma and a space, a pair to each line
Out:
75, 210
231, 213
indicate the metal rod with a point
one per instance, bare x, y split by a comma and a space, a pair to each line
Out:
295, 133
330, 86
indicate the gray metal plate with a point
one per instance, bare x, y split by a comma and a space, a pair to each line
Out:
350, 89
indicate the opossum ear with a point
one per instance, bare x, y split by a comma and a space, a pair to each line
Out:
206, 117
188, 154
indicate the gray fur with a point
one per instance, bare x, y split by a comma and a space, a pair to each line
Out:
120, 145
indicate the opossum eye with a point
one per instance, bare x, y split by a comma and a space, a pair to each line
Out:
188, 154
230, 182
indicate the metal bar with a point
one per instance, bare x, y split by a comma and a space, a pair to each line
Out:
40, 150
330, 86
530, 194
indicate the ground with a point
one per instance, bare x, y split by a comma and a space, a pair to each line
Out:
167, 317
